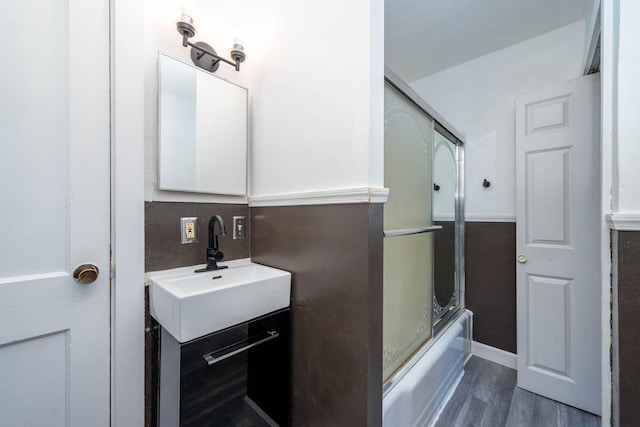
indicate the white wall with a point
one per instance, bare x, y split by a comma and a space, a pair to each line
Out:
217, 22
317, 107
127, 215
627, 130
478, 98
315, 75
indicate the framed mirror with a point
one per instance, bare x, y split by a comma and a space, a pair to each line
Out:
202, 131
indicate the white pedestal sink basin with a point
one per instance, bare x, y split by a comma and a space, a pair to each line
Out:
190, 305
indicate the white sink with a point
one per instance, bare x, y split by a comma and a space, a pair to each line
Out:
190, 305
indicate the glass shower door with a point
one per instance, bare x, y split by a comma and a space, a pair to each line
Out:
445, 184
408, 242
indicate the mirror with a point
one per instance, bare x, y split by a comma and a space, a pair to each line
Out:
202, 131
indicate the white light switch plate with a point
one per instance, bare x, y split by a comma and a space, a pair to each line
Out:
239, 227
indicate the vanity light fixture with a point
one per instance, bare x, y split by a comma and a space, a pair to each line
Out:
202, 54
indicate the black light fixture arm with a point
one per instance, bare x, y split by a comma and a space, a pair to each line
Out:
185, 38
187, 43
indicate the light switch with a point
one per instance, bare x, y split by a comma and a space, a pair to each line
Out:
239, 227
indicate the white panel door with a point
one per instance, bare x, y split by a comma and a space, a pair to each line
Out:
55, 215
558, 242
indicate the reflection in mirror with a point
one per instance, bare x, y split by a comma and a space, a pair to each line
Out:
202, 131
444, 208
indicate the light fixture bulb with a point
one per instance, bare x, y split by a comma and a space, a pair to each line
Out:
185, 25
237, 51
238, 46
186, 15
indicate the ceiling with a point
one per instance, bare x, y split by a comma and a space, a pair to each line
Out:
423, 37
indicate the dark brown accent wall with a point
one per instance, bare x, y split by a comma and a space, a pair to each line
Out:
490, 282
163, 249
629, 326
334, 253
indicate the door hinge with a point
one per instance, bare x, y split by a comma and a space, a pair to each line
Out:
112, 271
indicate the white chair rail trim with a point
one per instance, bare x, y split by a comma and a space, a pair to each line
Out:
624, 221
322, 197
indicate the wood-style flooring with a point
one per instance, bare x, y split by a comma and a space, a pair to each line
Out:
487, 396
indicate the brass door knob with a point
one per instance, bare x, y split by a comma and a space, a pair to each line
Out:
522, 259
86, 273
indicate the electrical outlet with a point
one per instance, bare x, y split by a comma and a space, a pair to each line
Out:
239, 227
188, 230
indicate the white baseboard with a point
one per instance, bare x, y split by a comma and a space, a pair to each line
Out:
494, 355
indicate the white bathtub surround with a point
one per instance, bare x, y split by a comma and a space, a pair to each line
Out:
494, 354
417, 393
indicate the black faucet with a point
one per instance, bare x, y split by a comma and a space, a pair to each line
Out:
214, 255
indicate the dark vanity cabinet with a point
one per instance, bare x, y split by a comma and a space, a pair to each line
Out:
235, 377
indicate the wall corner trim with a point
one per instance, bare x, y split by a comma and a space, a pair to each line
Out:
322, 197
494, 355
623, 221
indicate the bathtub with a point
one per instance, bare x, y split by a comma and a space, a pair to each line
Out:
417, 393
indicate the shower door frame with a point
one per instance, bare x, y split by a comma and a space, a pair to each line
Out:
451, 309
458, 139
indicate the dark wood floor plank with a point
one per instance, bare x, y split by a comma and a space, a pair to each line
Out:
500, 400
453, 408
570, 416
545, 412
486, 382
521, 409
487, 396
463, 390
472, 413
